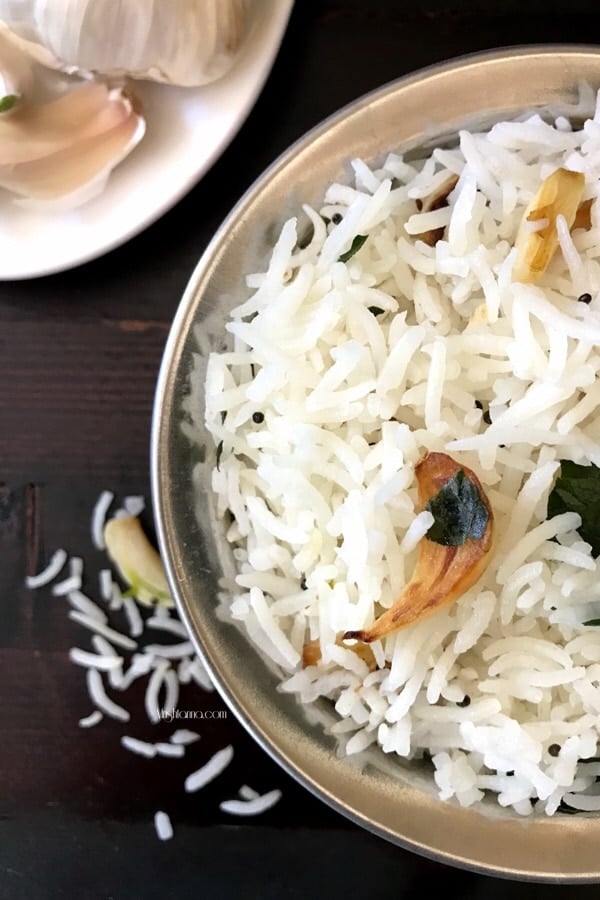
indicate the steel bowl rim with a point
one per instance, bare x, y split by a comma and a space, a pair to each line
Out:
159, 455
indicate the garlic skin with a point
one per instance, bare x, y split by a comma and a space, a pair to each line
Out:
182, 42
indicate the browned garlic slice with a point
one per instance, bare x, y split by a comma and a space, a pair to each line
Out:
61, 153
443, 572
559, 194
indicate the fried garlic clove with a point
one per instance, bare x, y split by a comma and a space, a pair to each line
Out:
559, 194
444, 572
137, 560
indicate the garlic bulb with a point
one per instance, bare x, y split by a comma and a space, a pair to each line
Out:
59, 154
184, 42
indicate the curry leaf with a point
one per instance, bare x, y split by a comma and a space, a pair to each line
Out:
459, 512
7, 102
577, 489
354, 248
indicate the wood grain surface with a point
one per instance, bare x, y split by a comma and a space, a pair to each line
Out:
79, 355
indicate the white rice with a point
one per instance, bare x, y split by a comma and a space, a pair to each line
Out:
93, 719
94, 624
170, 651
80, 601
99, 517
134, 618
248, 793
93, 660
176, 751
142, 748
184, 736
168, 665
162, 824
100, 698
69, 585
211, 770
105, 583
48, 574
456, 358
251, 807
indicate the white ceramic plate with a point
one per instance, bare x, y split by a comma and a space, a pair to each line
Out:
187, 130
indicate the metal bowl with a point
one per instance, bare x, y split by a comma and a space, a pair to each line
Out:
396, 802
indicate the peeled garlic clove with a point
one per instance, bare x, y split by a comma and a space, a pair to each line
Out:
559, 194
35, 132
137, 561
444, 571
184, 42
63, 152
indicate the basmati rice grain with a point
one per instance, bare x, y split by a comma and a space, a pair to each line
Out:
116, 600
134, 619
100, 628
252, 807
211, 770
80, 601
162, 824
48, 574
171, 683
153, 690
177, 751
61, 588
76, 567
134, 505
248, 793
99, 517
174, 626
93, 719
200, 675
170, 651
184, 736
99, 697
142, 748
102, 663
105, 582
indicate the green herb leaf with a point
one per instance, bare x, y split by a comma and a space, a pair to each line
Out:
8, 101
459, 512
577, 489
354, 248
376, 310
592, 622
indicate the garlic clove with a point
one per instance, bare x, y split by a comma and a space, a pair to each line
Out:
34, 132
137, 560
68, 164
559, 194
444, 572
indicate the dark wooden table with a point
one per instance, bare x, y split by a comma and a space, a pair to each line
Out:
79, 354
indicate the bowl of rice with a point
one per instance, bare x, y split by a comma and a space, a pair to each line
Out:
376, 462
